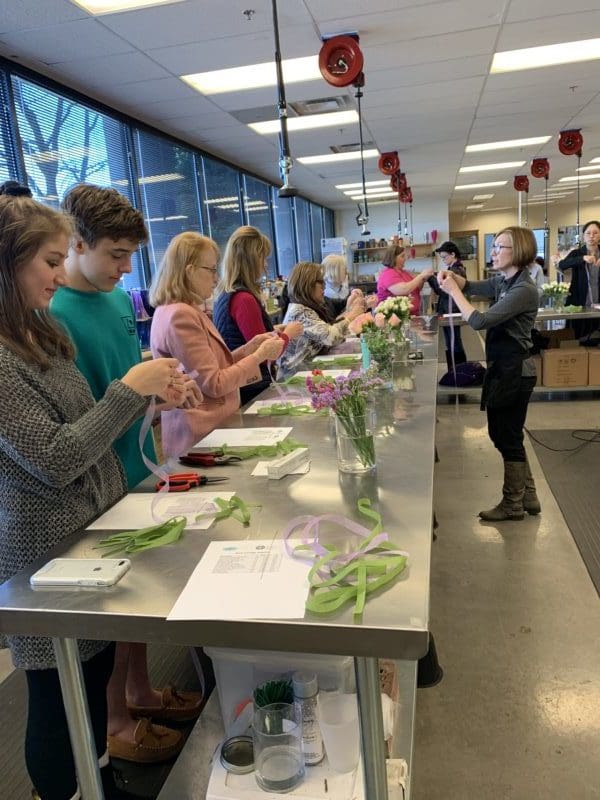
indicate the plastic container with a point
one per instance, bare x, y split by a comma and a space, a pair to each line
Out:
238, 672
306, 691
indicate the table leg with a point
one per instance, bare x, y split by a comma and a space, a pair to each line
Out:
371, 728
78, 718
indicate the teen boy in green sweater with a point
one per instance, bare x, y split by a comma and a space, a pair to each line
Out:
100, 318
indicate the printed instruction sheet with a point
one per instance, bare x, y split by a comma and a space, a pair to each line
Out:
135, 511
243, 437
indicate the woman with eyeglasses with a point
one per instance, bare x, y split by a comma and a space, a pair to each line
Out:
186, 278
239, 312
306, 287
394, 280
584, 265
511, 373
450, 257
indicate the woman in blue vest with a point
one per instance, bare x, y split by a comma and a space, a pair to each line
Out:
239, 313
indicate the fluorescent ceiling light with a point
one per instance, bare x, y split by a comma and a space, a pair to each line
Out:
307, 122
371, 190
114, 6
546, 56
481, 185
482, 196
359, 185
254, 76
499, 208
595, 160
477, 205
168, 176
221, 200
591, 168
593, 176
334, 157
486, 167
507, 144
370, 196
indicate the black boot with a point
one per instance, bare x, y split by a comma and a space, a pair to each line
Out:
513, 490
531, 504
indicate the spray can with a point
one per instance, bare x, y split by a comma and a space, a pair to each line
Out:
306, 691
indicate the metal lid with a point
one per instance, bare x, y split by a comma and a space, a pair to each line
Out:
237, 755
305, 684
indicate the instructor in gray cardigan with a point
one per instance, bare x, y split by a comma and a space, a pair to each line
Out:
510, 375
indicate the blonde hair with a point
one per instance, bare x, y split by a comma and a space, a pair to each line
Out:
171, 283
25, 227
524, 245
244, 259
335, 268
391, 254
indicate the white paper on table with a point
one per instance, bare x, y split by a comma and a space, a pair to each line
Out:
243, 437
252, 579
454, 314
134, 511
333, 357
329, 373
260, 470
292, 401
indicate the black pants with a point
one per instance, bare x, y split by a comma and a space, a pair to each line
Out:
48, 751
505, 424
459, 352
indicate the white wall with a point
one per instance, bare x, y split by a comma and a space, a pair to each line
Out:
560, 215
429, 214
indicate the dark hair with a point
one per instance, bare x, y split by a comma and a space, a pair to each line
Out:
301, 282
591, 222
390, 255
15, 189
524, 245
100, 213
25, 227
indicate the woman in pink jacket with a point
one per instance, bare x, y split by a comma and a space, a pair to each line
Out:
186, 278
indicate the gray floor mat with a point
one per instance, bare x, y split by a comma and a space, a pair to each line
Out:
572, 475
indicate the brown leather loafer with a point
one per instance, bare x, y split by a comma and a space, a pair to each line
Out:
175, 706
153, 744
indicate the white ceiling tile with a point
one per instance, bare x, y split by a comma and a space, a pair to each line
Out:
550, 30
142, 92
536, 9
178, 107
28, 14
110, 71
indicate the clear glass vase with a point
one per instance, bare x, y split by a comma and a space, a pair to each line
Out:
355, 442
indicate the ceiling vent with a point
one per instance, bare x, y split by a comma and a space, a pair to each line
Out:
350, 148
321, 105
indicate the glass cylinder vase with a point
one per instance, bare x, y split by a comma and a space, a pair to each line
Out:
355, 442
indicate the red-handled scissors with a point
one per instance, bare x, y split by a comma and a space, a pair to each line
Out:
184, 481
216, 459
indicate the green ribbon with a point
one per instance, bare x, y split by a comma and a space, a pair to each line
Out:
285, 409
338, 361
235, 507
295, 380
369, 571
167, 532
282, 448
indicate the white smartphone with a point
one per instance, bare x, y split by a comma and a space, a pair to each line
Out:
81, 572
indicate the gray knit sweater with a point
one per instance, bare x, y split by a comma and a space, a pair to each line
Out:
57, 469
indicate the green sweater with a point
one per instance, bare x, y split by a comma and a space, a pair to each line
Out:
102, 326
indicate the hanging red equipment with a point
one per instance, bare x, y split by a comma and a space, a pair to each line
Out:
521, 183
540, 168
389, 163
341, 61
398, 181
570, 143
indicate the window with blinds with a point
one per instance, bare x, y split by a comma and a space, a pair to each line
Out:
257, 209
303, 235
168, 189
285, 240
316, 226
8, 167
66, 143
328, 223
221, 199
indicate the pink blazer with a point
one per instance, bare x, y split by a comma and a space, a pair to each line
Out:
184, 332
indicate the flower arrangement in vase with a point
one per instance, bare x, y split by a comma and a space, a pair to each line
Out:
347, 397
383, 332
556, 293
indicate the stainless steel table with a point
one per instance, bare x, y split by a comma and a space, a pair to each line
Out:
394, 624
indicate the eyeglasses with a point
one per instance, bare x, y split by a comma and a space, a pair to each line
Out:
497, 247
209, 269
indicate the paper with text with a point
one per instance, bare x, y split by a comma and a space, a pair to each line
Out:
243, 437
134, 511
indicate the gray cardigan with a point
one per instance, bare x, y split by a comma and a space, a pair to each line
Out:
57, 469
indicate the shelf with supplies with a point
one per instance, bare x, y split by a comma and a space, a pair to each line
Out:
373, 255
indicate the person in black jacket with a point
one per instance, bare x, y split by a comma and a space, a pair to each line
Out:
511, 373
584, 263
450, 257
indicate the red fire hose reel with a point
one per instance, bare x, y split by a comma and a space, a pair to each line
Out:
540, 168
570, 143
341, 61
389, 163
521, 183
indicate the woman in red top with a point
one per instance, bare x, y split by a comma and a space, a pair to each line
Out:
394, 280
239, 313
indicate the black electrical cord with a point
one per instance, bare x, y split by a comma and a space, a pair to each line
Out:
575, 434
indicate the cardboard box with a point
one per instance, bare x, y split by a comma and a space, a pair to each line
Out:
556, 337
565, 367
594, 366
